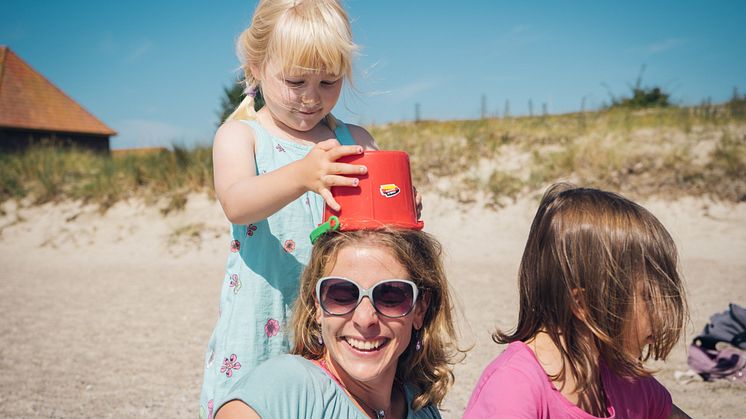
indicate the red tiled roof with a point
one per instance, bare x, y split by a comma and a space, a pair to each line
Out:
30, 101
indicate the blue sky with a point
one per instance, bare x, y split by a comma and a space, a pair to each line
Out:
154, 71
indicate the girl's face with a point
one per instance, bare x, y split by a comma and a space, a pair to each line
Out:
363, 345
301, 100
638, 332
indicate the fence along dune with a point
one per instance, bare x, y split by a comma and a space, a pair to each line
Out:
669, 152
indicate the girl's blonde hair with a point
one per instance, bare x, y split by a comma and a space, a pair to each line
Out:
588, 254
294, 35
429, 370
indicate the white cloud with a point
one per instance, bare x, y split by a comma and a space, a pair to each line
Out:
13, 32
519, 29
411, 90
665, 45
126, 51
517, 37
406, 92
140, 50
106, 44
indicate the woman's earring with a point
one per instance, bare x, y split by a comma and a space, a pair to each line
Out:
320, 340
418, 345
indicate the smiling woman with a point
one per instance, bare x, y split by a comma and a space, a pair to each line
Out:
374, 335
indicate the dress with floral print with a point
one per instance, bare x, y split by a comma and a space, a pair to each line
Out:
261, 279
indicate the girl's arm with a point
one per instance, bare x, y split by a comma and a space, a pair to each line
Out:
247, 198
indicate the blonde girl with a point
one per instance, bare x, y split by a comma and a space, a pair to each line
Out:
599, 294
274, 165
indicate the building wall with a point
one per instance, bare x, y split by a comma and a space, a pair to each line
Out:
19, 140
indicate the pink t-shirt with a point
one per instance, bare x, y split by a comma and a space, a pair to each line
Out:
515, 386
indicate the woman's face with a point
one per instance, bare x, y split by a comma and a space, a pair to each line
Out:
363, 345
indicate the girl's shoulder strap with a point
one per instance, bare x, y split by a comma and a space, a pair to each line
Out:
254, 124
262, 140
260, 134
344, 136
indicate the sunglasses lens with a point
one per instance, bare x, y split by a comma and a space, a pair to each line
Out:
338, 296
393, 299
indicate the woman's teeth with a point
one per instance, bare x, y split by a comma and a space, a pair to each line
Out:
365, 345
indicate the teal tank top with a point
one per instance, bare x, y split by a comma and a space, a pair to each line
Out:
290, 386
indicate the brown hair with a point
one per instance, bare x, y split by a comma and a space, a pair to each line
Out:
587, 253
429, 369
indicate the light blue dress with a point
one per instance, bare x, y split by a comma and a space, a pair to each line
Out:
262, 276
290, 386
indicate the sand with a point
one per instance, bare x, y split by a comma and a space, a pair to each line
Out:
107, 315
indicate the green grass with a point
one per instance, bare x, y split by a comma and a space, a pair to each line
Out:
48, 174
665, 152
660, 152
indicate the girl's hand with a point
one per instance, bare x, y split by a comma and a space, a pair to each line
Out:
320, 171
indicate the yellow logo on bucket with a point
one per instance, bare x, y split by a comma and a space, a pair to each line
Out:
389, 190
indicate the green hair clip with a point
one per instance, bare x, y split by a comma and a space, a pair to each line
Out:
331, 224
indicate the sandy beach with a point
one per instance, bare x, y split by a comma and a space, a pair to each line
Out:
107, 315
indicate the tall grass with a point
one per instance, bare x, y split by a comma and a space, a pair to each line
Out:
669, 152
44, 174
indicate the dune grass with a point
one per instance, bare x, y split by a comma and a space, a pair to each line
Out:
665, 152
44, 174
668, 152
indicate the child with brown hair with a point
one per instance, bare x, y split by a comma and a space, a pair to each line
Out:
599, 294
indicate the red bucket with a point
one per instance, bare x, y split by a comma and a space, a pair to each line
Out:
384, 196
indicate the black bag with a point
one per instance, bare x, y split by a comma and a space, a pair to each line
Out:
725, 361
728, 326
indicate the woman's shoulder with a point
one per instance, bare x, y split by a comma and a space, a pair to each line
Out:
284, 372
289, 367
283, 386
